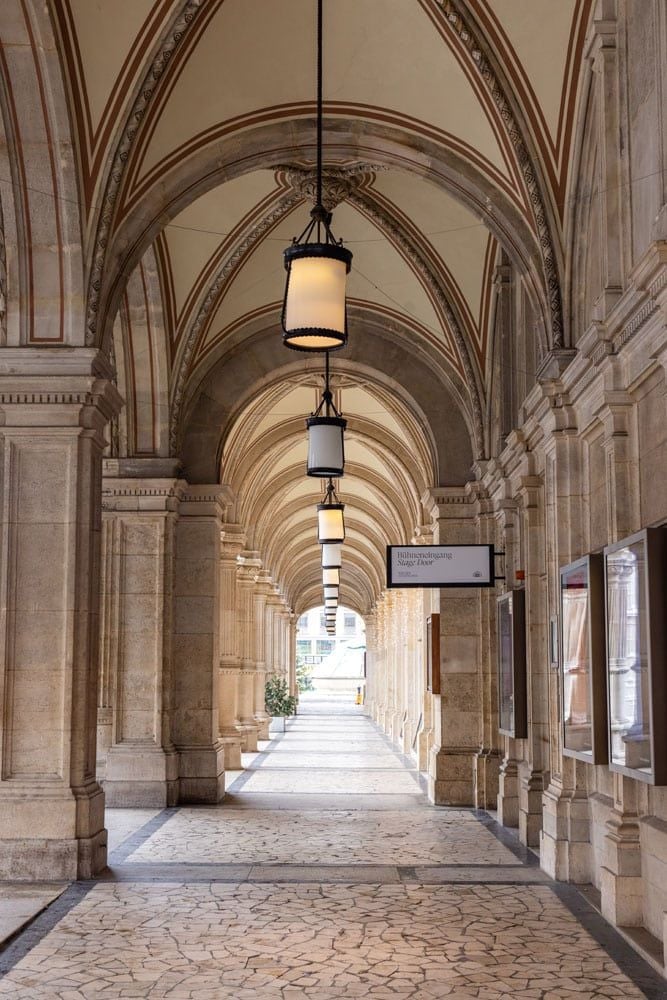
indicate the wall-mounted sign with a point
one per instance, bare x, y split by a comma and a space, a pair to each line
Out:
440, 566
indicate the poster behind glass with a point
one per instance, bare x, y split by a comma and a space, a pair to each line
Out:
582, 652
634, 580
511, 665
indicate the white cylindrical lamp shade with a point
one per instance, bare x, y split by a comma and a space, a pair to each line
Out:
330, 523
331, 591
314, 305
332, 556
331, 577
326, 453
330, 602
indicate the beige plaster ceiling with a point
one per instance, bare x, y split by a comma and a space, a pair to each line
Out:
190, 119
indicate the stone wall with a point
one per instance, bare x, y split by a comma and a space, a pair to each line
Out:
581, 464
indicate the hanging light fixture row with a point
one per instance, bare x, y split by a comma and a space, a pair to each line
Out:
314, 319
317, 264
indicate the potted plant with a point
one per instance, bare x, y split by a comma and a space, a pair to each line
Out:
277, 699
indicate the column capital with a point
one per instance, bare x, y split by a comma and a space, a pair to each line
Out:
205, 501
233, 539
120, 494
57, 387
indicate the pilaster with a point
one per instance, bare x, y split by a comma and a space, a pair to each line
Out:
457, 722
535, 765
139, 520
263, 594
196, 646
231, 731
54, 406
248, 566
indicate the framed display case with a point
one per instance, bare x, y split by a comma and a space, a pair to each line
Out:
512, 709
582, 661
635, 592
433, 654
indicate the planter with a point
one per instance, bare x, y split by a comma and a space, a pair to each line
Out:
277, 724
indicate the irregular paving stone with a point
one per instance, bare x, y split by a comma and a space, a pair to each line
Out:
472, 931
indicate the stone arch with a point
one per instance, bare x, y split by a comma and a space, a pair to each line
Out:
274, 144
218, 395
42, 231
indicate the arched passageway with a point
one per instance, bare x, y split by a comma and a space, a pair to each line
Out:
498, 171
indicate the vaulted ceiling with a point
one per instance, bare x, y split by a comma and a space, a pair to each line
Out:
448, 139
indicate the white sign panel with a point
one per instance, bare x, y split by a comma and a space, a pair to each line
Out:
440, 566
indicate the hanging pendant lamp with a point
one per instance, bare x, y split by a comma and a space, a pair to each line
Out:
314, 315
331, 577
331, 591
330, 522
326, 452
332, 556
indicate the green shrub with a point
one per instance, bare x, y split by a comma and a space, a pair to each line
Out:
277, 699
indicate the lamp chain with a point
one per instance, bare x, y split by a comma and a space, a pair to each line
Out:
319, 104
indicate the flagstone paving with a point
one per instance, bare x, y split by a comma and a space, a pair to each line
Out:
250, 902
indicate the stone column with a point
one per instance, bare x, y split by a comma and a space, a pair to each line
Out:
371, 639
621, 883
565, 850
532, 772
109, 632
458, 728
196, 649
54, 406
140, 500
508, 774
290, 652
231, 731
263, 592
487, 761
276, 661
249, 565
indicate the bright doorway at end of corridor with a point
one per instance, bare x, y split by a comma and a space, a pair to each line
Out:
332, 666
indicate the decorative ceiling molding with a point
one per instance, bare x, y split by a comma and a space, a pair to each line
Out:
457, 17
365, 203
176, 33
338, 184
244, 247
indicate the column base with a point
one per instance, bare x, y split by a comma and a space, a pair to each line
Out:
424, 744
508, 793
139, 777
486, 772
55, 854
232, 745
565, 850
531, 788
622, 898
39, 860
263, 722
450, 777
201, 778
248, 732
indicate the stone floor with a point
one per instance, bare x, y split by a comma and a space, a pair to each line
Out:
325, 875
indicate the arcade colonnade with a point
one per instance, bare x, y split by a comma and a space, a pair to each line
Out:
504, 383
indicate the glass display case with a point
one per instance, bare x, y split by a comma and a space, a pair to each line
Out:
582, 660
511, 624
636, 656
